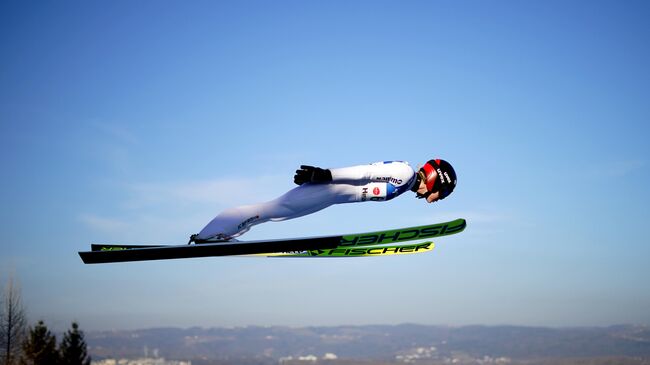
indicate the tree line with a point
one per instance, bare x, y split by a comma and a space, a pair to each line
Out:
35, 345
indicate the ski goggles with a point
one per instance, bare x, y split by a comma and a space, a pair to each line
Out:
438, 186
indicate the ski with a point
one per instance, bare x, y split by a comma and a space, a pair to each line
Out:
107, 253
366, 251
372, 238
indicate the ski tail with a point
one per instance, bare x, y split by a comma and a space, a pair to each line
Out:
112, 247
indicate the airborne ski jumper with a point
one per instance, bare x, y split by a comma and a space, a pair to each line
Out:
320, 188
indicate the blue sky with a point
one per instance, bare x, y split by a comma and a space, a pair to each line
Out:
137, 122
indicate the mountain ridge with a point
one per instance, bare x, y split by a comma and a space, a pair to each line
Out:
377, 342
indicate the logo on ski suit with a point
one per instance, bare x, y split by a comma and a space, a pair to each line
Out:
247, 222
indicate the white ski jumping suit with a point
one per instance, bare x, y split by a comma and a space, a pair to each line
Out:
379, 181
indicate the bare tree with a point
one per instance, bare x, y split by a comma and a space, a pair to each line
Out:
13, 323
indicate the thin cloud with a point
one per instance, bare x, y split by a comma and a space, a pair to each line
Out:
615, 169
116, 132
161, 211
143, 228
216, 192
622, 168
111, 145
103, 224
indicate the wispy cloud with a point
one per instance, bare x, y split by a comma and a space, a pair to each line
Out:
616, 168
115, 132
103, 224
622, 168
112, 145
159, 211
142, 227
215, 192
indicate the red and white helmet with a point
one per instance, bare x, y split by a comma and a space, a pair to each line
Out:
443, 181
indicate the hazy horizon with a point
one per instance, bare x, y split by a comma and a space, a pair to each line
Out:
162, 327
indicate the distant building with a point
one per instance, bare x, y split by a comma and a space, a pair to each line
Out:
311, 358
142, 361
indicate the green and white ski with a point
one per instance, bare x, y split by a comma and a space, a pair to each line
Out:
367, 251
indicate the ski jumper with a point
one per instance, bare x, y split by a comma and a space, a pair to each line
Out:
379, 181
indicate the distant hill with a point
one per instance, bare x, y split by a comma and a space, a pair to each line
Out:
389, 344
